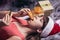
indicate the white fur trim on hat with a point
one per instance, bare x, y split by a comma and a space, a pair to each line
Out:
48, 28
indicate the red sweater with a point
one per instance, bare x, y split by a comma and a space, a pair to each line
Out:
11, 30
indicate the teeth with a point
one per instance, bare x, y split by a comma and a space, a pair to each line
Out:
24, 17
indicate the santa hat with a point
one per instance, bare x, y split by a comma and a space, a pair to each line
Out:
46, 31
51, 28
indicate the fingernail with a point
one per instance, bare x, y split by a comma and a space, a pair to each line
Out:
28, 10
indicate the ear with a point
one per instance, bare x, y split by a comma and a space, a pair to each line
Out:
39, 30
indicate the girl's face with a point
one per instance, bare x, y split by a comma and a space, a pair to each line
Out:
36, 23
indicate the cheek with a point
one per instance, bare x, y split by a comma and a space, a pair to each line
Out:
41, 24
31, 23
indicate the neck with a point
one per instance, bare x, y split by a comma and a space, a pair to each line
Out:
22, 29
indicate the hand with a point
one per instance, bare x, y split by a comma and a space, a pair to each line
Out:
26, 11
23, 11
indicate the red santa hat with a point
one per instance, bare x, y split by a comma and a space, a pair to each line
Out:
51, 28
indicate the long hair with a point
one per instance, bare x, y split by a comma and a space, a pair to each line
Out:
33, 36
46, 19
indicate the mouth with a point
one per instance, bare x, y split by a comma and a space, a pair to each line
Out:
25, 17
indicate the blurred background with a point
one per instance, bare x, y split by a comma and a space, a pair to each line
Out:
16, 5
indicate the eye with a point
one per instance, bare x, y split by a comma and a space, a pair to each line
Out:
40, 15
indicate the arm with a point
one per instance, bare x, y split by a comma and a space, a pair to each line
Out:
14, 38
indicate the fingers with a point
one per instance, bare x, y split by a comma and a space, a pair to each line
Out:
26, 11
22, 12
